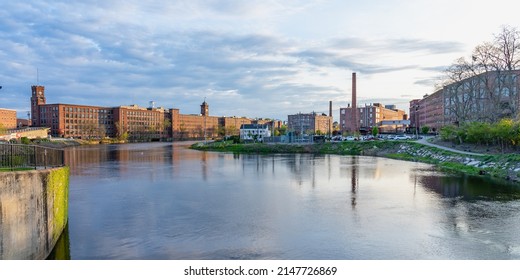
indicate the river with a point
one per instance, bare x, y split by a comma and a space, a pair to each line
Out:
165, 201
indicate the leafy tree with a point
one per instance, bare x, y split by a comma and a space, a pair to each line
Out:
25, 140
448, 133
375, 131
3, 130
503, 132
221, 130
425, 129
281, 130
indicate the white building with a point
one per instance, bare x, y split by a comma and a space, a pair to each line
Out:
254, 132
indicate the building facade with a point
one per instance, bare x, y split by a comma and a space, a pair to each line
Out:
427, 112
96, 122
307, 124
254, 132
133, 122
8, 118
487, 97
370, 116
140, 124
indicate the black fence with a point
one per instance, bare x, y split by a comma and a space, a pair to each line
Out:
14, 156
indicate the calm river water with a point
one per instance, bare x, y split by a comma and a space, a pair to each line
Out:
164, 201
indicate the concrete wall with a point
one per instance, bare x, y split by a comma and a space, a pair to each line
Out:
33, 212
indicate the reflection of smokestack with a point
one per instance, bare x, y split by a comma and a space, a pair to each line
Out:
355, 123
330, 108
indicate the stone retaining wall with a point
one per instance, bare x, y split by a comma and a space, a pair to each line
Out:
33, 212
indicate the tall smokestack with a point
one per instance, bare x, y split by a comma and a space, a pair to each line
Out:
355, 123
330, 108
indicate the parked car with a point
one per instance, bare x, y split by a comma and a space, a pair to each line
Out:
350, 138
402, 137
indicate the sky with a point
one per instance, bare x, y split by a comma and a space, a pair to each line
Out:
258, 59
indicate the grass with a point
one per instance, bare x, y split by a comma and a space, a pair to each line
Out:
7, 169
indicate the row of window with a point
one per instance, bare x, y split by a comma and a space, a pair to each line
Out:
85, 121
88, 110
137, 113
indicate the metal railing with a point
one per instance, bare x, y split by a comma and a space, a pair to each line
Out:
16, 156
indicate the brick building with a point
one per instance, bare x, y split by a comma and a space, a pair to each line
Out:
370, 116
96, 122
312, 123
8, 118
487, 97
141, 123
427, 112
138, 123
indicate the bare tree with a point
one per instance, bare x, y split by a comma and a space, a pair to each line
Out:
485, 88
507, 43
459, 91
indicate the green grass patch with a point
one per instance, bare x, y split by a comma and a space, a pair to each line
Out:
459, 168
3, 169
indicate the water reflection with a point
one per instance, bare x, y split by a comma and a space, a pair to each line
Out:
163, 201
61, 250
354, 181
470, 188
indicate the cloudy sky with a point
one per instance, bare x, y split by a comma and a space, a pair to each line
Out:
264, 59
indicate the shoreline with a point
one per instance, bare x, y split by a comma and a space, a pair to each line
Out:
504, 167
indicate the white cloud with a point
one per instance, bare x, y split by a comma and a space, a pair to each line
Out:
291, 55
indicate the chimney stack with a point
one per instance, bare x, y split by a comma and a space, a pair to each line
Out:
355, 123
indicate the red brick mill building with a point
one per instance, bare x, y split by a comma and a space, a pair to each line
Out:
139, 123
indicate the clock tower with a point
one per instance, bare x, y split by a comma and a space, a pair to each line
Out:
37, 99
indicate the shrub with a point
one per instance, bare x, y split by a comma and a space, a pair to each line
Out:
25, 140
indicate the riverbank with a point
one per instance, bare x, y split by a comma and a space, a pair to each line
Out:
64, 143
499, 166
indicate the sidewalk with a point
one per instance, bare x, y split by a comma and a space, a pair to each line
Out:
424, 141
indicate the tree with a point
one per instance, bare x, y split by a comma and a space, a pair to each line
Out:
281, 130
102, 131
221, 130
3, 130
458, 98
375, 131
121, 133
485, 87
503, 133
425, 129
91, 129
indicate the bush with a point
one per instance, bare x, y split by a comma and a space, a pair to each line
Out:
504, 133
25, 140
448, 133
